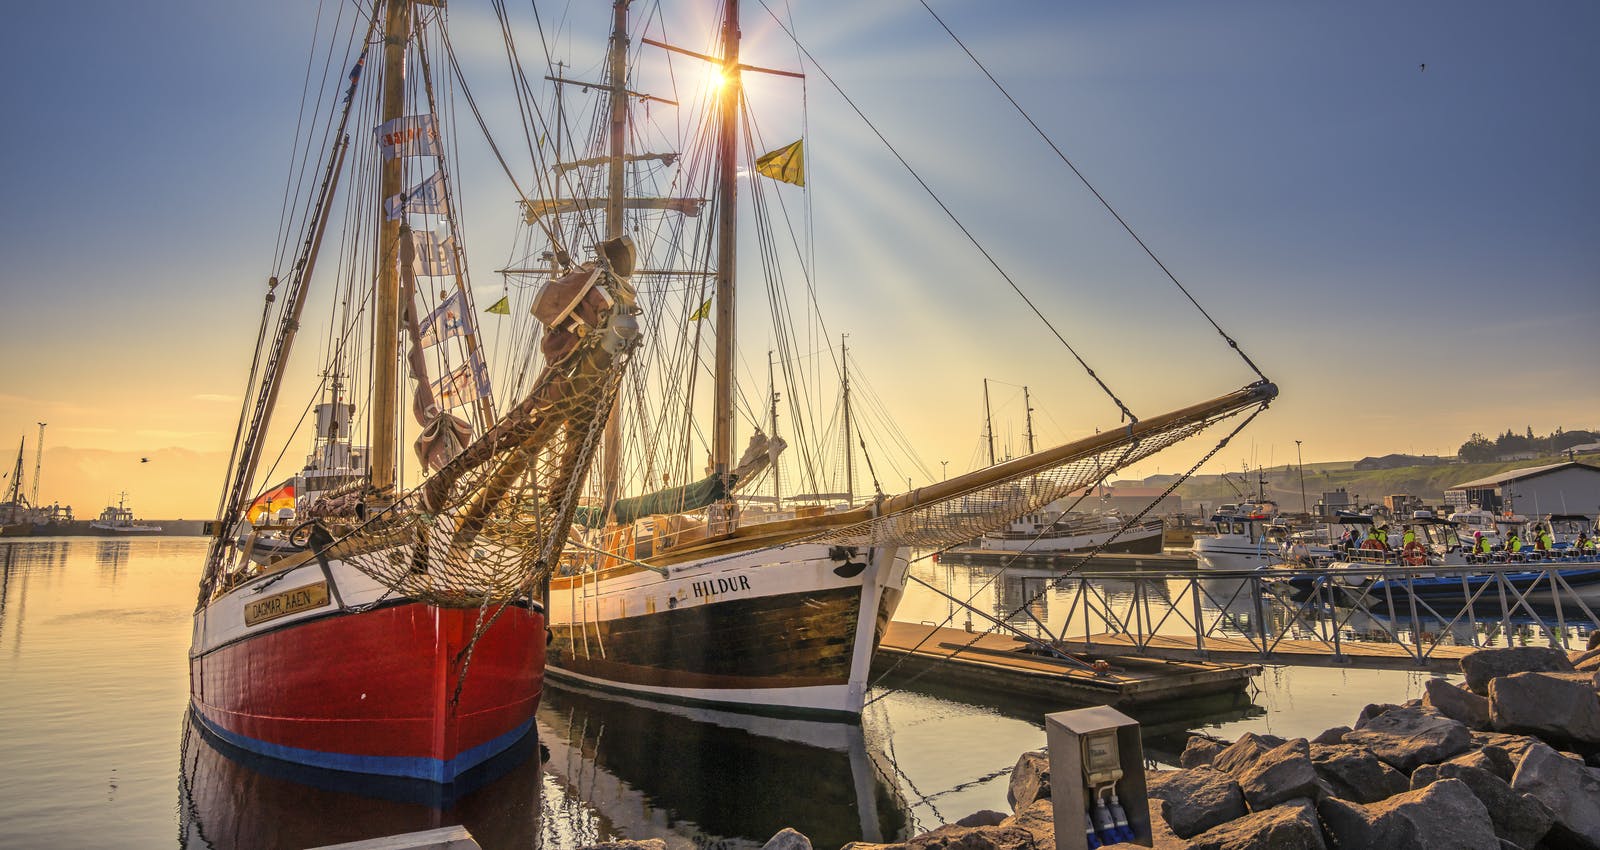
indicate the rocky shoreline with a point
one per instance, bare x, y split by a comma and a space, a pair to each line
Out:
1511, 760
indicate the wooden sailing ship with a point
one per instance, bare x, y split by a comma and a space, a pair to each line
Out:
683, 592
402, 633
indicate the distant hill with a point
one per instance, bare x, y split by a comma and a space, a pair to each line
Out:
1426, 480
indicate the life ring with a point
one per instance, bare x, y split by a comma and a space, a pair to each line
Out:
1374, 544
1413, 555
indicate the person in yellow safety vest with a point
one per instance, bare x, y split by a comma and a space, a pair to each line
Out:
1547, 541
1585, 543
1514, 542
1408, 538
1378, 535
1481, 544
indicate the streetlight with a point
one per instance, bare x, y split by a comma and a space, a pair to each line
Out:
1302, 464
946, 465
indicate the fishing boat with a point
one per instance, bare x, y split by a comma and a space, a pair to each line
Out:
1056, 530
16, 514
710, 586
405, 637
118, 521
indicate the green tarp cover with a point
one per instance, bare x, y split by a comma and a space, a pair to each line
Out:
673, 500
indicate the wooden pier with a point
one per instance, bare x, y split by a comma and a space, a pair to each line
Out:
1112, 561
1001, 662
1370, 655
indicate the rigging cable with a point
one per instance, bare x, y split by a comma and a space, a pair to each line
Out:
1103, 202
950, 214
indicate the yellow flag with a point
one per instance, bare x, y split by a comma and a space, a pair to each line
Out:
501, 307
704, 311
787, 163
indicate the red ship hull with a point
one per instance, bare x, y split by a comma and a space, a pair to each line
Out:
374, 691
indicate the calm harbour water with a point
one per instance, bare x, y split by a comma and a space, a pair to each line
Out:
94, 635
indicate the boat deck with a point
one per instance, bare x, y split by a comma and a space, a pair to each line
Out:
1000, 662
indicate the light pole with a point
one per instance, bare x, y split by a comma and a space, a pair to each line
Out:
1302, 464
946, 465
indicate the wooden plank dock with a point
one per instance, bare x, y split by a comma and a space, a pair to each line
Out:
998, 661
1305, 653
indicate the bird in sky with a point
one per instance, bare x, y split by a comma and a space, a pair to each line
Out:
144, 460
1422, 67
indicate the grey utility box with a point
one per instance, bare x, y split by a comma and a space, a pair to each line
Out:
1092, 748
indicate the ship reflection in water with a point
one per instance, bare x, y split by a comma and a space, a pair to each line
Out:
616, 768
229, 798
623, 768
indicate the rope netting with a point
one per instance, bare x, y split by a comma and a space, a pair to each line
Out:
943, 520
487, 525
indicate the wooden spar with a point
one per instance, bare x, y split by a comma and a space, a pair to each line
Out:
849, 449
1257, 393
611, 446
1027, 412
386, 312
988, 421
727, 216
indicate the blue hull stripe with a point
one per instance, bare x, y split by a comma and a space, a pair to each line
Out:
428, 769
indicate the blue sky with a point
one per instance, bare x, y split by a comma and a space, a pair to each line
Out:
1412, 254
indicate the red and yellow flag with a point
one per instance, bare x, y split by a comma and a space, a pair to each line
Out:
270, 502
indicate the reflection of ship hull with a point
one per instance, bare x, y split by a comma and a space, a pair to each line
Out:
230, 798
782, 631
752, 775
122, 530
322, 679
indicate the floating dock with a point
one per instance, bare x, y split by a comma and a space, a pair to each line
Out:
1369, 655
999, 662
1112, 561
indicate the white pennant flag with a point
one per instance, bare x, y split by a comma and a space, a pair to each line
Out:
408, 135
456, 389
445, 322
435, 256
425, 198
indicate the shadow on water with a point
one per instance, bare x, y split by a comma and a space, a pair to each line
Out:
229, 798
704, 778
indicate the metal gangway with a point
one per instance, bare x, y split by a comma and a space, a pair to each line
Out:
1373, 616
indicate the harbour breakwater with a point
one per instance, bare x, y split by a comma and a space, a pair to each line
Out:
1509, 758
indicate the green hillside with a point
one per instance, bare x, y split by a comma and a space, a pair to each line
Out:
1283, 482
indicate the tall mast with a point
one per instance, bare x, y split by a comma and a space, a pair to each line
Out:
1027, 407
988, 422
849, 466
386, 316
727, 216
38, 465
16, 475
611, 450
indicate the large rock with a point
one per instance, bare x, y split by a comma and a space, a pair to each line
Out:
1331, 736
1587, 662
1444, 814
787, 839
628, 844
1241, 752
1518, 818
1514, 746
954, 837
983, 817
1407, 737
1199, 751
1193, 801
1559, 709
1487, 664
1030, 780
1375, 709
1291, 826
1355, 774
1281, 773
1570, 790
1039, 819
1490, 758
1457, 704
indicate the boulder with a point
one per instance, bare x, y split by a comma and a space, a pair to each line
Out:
1193, 801
1514, 746
1372, 710
1487, 664
1407, 737
1518, 818
787, 839
1279, 774
1199, 751
983, 817
952, 837
1490, 758
1444, 814
1030, 780
1331, 736
628, 844
1559, 709
867, 845
1457, 704
1240, 752
1570, 790
1039, 819
1291, 826
1587, 662
1355, 774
